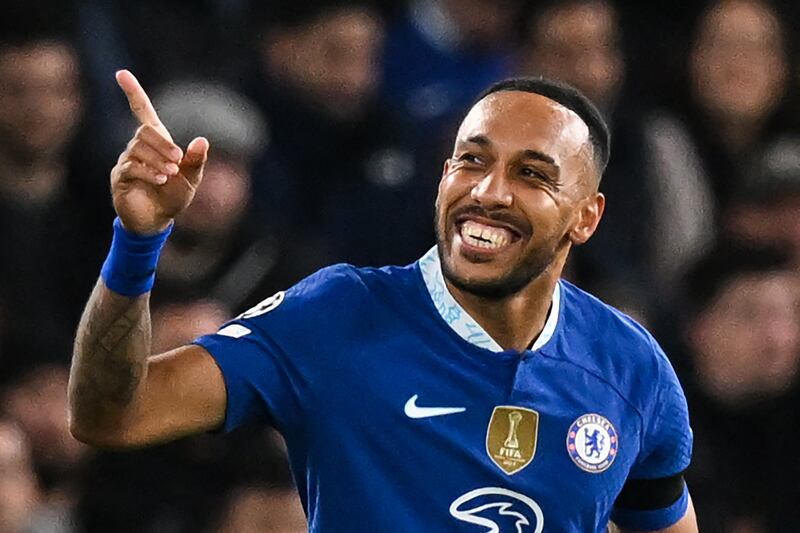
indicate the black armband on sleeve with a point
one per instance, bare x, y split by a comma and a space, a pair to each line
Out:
650, 494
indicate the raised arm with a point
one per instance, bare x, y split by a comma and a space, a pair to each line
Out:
120, 396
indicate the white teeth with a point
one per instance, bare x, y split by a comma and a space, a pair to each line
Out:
483, 236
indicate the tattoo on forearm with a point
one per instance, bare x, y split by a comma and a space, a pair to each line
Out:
119, 329
119, 354
111, 350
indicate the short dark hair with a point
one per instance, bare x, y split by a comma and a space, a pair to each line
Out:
571, 98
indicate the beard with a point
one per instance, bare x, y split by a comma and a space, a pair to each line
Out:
529, 267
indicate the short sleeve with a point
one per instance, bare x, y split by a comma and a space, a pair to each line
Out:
269, 355
257, 388
666, 450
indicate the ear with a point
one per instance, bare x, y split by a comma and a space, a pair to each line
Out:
589, 215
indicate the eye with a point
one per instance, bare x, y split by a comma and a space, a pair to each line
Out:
530, 172
468, 157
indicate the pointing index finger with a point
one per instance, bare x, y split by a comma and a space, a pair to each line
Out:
138, 100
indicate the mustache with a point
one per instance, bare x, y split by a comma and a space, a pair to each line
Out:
503, 216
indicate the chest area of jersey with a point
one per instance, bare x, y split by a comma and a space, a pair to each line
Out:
534, 425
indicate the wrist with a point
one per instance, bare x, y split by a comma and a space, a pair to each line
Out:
136, 232
130, 268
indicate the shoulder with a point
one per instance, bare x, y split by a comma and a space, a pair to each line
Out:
603, 324
614, 346
342, 278
331, 291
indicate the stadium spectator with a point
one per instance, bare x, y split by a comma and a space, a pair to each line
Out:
738, 80
743, 347
763, 210
442, 53
37, 403
264, 510
580, 42
356, 190
263, 497
45, 176
175, 323
165, 40
19, 491
221, 253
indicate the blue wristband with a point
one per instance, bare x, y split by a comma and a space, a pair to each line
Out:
130, 268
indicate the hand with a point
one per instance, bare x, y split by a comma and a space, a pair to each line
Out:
153, 179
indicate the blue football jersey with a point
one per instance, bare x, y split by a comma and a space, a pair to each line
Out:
401, 414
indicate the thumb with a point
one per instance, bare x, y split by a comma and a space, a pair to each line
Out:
194, 159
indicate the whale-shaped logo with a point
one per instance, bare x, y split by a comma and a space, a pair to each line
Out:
515, 512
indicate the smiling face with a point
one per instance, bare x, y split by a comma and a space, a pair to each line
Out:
518, 191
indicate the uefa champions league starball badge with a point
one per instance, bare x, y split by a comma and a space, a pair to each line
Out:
592, 443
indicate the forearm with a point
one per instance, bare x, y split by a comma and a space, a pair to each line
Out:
109, 363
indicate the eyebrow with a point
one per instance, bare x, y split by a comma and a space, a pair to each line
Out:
483, 140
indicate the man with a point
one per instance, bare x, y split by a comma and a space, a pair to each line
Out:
742, 358
43, 220
470, 391
335, 141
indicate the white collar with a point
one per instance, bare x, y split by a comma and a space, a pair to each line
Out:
460, 321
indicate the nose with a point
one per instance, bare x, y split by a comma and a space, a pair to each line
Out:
493, 190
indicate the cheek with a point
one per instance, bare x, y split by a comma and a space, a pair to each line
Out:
451, 190
545, 213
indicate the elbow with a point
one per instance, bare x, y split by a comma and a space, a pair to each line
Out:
106, 438
87, 435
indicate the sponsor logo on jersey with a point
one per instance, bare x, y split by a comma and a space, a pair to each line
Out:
592, 443
511, 437
264, 306
499, 511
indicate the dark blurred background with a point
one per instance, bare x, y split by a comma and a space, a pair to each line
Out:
329, 122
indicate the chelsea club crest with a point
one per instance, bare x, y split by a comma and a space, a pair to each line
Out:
592, 443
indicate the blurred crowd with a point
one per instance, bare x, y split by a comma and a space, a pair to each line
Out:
329, 121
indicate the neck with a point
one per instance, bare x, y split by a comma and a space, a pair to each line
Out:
516, 321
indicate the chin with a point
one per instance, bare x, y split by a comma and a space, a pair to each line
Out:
485, 280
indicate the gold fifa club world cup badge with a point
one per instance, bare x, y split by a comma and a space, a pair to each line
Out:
511, 437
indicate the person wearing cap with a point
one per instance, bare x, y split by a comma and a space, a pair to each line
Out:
222, 252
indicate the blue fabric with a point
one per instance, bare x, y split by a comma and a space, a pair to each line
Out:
130, 268
435, 86
652, 520
335, 362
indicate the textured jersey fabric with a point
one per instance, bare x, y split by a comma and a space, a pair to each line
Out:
400, 415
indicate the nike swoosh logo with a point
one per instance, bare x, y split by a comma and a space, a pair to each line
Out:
413, 411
